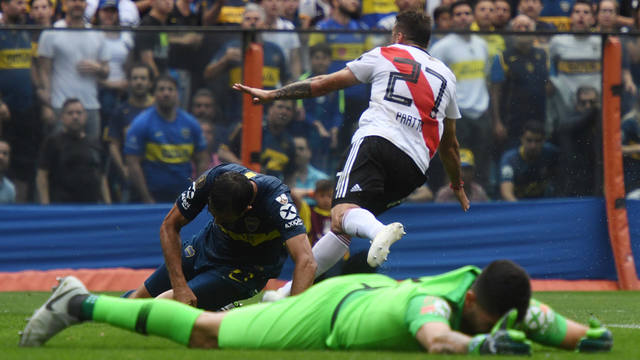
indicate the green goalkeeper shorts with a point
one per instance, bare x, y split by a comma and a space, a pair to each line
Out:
297, 322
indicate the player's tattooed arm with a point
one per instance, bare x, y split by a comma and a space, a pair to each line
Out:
296, 90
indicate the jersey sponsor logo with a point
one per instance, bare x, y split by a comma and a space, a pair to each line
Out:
251, 223
288, 212
15, 59
420, 89
249, 174
586, 66
169, 153
433, 305
282, 199
254, 239
189, 251
186, 133
468, 70
507, 172
295, 222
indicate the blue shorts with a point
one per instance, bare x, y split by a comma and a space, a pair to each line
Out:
215, 285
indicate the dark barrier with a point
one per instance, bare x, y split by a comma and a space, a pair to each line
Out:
552, 239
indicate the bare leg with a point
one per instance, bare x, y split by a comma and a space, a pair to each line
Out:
205, 330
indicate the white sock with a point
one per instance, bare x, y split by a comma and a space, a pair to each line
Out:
327, 252
361, 222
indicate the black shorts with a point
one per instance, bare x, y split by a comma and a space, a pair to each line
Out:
376, 175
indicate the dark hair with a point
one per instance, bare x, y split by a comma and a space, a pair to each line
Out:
137, 66
69, 101
324, 185
589, 3
502, 286
165, 78
231, 192
475, 3
203, 92
459, 3
582, 89
442, 9
415, 25
533, 126
615, 5
320, 47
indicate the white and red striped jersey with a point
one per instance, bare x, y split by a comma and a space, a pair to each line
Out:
411, 95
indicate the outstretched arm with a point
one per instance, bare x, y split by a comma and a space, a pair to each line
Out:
544, 325
315, 86
450, 156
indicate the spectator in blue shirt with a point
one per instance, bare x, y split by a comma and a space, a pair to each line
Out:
529, 171
160, 145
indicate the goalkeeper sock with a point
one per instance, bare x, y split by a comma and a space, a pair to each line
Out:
165, 318
361, 222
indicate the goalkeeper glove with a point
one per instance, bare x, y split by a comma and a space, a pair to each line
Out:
598, 338
503, 339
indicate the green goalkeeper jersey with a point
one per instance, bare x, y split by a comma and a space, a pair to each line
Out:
390, 317
362, 311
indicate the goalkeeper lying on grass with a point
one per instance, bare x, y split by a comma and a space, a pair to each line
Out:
463, 311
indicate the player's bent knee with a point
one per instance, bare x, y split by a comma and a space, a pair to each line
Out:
205, 330
337, 216
139, 293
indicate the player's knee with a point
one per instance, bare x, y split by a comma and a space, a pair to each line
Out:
204, 334
139, 293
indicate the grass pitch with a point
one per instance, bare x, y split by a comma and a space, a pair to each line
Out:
618, 310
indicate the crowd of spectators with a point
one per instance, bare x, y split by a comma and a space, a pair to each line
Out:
105, 103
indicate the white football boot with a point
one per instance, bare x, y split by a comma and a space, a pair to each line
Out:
52, 317
274, 295
380, 245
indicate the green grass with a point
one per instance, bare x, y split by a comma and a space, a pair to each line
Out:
98, 341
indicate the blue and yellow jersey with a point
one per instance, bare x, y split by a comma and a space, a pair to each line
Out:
119, 122
16, 54
558, 13
374, 10
231, 12
258, 237
531, 179
165, 147
344, 48
274, 74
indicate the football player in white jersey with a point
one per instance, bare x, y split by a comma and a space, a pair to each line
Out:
411, 114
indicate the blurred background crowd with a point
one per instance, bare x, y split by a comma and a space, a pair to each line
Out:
123, 101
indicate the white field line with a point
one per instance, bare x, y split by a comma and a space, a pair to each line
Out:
624, 326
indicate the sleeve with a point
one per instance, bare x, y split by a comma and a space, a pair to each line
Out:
364, 66
543, 325
452, 111
497, 69
113, 130
45, 44
47, 155
506, 169
135, 138
199, 141
103, 54
144, 40
423, 309
285, 214
195, 198
307, 7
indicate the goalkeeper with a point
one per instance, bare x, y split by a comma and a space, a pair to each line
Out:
463, 311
